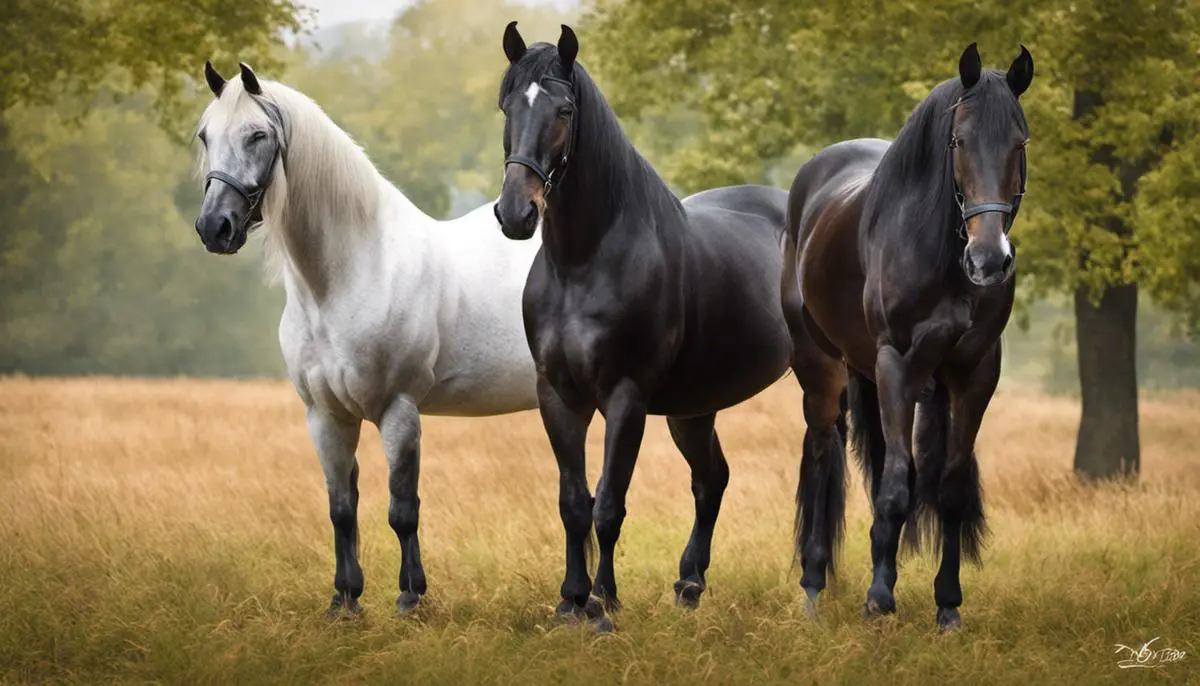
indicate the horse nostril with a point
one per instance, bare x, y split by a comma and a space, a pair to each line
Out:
226, 230
531, 215
496, 211
1008, 260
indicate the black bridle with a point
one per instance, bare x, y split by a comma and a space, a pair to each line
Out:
548, 175
1008, 209
254, 194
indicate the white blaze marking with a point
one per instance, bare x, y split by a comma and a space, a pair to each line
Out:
531, 93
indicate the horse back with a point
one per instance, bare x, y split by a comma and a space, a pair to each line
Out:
823, 277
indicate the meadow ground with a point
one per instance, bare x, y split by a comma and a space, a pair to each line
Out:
176, 531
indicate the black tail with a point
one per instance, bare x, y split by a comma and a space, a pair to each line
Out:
862, 401
821, 495
941, 492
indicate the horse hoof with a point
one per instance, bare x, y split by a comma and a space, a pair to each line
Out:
594, 608
605, 603
602, 625
687, 594
407, 602
810, 603
879, 603
568, 612
343, 606
948, 619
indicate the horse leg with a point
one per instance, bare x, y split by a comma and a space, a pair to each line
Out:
821, 489
567, 430
400, 429
697, 439
336, 440
897, 406
625, 422
960, 501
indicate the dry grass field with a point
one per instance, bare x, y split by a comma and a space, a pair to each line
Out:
176, 532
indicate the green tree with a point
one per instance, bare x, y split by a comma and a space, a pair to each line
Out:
1114, 120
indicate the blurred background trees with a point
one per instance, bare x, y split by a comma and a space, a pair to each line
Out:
1114, 115
100, 270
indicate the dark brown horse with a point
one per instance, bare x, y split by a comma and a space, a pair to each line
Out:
898, 281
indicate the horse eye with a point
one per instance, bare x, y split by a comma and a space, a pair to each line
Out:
257, 136
203, 138
565, 112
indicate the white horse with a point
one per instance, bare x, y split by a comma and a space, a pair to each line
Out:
390, 314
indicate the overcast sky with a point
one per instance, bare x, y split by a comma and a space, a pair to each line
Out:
330, 12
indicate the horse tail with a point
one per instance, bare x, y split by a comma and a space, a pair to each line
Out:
866, 430
940, 488
821, 491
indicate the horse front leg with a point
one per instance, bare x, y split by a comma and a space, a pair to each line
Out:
894, 499
336, 440
566, 427
400, 429
625, 422
960, 498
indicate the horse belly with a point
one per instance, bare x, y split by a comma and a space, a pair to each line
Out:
727, 360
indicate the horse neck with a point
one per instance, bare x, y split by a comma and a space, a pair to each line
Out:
329, 218
606, 181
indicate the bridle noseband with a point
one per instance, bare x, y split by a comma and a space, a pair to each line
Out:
548, 175
252, 195
1008, 209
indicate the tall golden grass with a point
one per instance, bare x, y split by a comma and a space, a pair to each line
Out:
176, 531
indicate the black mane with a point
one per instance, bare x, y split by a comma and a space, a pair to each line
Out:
916, 173
606, 176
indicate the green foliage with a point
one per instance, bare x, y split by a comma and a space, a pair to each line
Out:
80, 47
104, 273
1114, 111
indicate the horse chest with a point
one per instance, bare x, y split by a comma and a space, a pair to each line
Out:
337, 366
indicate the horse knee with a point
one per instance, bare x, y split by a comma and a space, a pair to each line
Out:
893, 503
342, 513
576, 517
608, 518
404, 515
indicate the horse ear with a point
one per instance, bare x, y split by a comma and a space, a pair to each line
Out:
249, 80
514, 44
969, 66
216, 82
568, 48
1020, 74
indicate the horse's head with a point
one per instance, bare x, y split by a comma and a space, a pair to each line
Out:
243, 138
987, 148
537, 96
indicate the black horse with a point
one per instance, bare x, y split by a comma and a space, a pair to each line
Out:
637, 304
898, 265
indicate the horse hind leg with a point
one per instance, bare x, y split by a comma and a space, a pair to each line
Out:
697, 440
400, 429
336, 441
821, 489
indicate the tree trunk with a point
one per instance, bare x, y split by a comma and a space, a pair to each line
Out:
1106, 336
1106, 340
